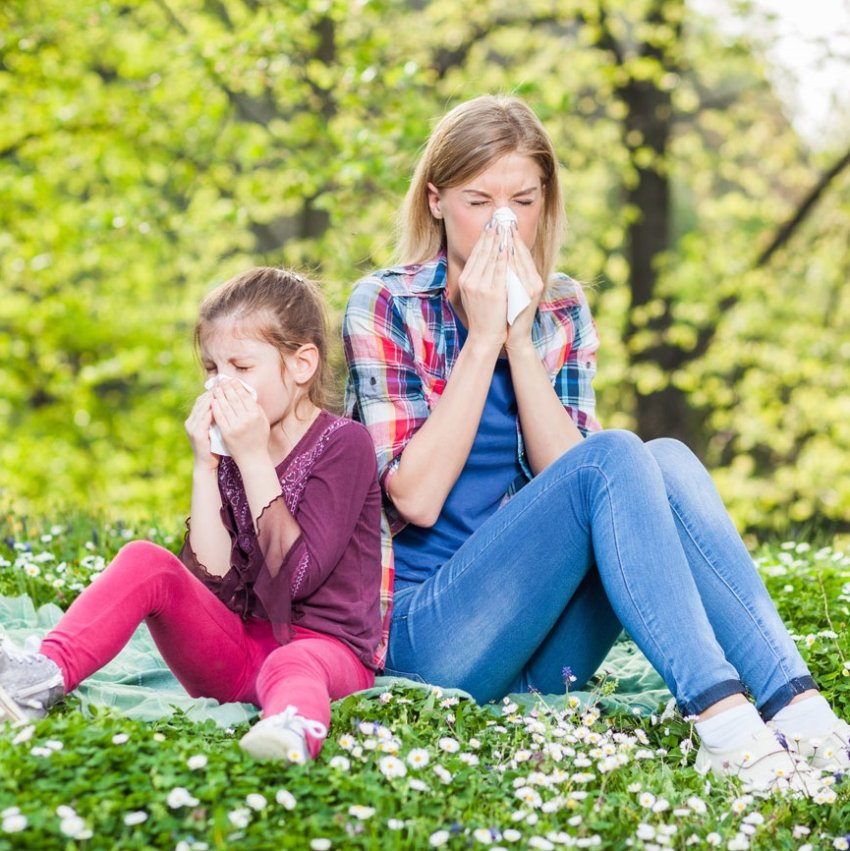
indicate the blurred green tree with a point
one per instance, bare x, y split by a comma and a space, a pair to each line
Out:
152, 149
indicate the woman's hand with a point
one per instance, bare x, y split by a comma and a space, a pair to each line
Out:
519, 333
482, 287
243, 423
198, 430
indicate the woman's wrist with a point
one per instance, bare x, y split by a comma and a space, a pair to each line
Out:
521, 348
484, 345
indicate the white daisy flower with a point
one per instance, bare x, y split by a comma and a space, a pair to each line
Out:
286, 799
418, 758
179, 797
359, 811
392, 767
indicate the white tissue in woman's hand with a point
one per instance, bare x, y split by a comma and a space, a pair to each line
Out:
518, 298
504, 217
216, 440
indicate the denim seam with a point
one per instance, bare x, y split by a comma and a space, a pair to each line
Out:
732, 590
650, 632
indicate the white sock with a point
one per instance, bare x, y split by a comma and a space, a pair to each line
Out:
810, 717
731, 727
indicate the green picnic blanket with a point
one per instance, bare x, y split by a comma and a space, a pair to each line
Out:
138, 683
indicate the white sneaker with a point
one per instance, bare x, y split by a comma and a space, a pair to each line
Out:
282, 736
762, 764
828, 752
30, 683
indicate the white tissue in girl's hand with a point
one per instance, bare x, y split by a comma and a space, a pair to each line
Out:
518, 298
216, 440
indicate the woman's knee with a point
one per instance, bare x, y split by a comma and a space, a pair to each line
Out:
617, 446
675, 458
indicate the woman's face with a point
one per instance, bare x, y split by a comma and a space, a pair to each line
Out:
514, 181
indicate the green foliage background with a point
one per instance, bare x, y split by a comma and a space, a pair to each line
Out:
153, 148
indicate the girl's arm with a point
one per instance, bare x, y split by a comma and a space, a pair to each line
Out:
245, 430
339, 495
328, 510
208, 538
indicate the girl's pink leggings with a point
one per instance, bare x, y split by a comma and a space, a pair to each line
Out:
209, 648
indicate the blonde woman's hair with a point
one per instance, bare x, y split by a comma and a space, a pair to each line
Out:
279, 307
465, 142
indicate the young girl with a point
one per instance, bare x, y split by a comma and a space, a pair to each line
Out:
280, 605
525, 537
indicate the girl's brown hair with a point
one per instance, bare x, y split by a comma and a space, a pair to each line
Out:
287, 311
466, 141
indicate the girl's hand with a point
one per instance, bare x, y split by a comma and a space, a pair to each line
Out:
523, 264
198, 430
243, 423
482, 287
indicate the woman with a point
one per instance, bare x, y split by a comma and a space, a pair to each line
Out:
524, 536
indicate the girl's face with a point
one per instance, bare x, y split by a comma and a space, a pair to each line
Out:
234, 348
514, 181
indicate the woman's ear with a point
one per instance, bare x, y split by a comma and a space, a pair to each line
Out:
434, 201
303, 363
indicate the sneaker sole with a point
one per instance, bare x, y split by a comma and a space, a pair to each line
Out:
9, 709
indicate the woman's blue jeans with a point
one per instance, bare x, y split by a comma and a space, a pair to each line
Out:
615, 533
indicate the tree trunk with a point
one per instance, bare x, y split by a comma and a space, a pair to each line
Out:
647, 130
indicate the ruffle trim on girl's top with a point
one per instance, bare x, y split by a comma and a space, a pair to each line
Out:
190, 558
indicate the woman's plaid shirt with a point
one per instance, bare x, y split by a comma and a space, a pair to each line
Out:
401, 343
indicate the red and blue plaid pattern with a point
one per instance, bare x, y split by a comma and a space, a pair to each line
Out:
401, 344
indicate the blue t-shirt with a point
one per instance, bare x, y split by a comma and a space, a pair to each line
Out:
489, 470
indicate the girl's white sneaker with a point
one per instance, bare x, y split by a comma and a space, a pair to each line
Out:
30, 683
282, 736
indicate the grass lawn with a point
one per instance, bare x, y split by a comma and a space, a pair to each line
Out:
408, 769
